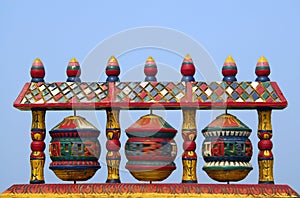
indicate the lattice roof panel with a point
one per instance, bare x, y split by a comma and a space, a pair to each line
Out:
142, 95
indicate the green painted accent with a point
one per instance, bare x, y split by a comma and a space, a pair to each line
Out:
147, 98
265, 95
112, 68
73, 67
262, 68
150, 66
159, 87
225, 129
244, 85
229, 68
224, 85
187, 62
37, 68
214, 96
266, 84
244, 96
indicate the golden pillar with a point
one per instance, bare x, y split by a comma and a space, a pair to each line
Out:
113, 145
37, 156
189, 157
265, 156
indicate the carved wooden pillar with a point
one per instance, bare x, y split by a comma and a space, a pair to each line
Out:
265, 156
113, 145
37, 156
189, 157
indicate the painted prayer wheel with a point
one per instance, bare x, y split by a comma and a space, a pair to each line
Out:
227, 149
74, 149
150, 149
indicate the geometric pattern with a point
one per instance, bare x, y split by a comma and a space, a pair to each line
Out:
235, 91
150, 91
64, 92
62, 95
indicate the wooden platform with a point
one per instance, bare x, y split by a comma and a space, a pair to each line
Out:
148, 190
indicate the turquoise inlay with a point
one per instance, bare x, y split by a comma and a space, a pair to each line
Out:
175, 91
147, 98
159, 87
214, 97
265, 95
244, 95
244, 85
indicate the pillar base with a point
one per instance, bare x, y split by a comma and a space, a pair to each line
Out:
111, 181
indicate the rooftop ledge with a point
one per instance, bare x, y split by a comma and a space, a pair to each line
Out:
145, 95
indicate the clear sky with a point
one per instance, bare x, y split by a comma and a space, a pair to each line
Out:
56, 31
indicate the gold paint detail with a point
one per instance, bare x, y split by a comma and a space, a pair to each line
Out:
38, 161
38, 119
228, 175
37, 170
189, 133
112, 119
189, 122
265, 166
151, 175
189, 170
80, 175
264, 120
266, 170
113, 169
113, 133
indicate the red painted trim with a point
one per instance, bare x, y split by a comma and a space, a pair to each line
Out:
261, 190
186, 102
279, 93
143, 167
22, 94
146, 105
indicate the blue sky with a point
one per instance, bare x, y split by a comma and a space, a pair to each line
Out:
56, 31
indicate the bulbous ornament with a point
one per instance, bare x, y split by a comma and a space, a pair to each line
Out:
74, 149
150, 149
227, 149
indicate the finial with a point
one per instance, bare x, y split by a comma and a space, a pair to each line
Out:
37, 71
112, 70
262, 70
150, 69
229, 70
73, 71
187, 69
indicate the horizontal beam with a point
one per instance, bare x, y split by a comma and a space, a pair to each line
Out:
154, 95
149, 190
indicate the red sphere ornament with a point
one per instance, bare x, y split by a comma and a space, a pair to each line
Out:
113, 145
262, 67
37, 146
187, 67
189, 146
229, 67
265, 145
150, 68
37, 69
73, 68
112, 67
